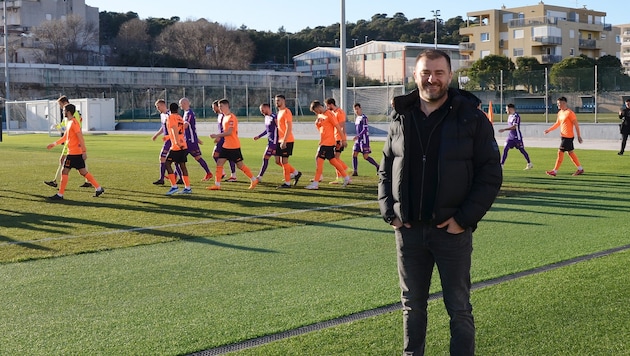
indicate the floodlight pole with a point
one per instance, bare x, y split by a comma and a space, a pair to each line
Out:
6, 66
436, 14
342, 58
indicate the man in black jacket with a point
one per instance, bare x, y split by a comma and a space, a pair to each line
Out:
439, 175
624, 127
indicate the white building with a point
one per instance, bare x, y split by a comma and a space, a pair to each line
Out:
388, 62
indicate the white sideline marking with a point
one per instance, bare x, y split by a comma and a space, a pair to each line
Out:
202, 222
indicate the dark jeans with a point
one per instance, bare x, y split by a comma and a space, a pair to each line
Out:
624, 139
419, 249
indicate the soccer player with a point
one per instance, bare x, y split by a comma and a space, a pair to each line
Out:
77, 153
361, 140
219, 142
327, 124
286, 142
63, 101
231, 150
340, 136
271, 130
515, 137
192, 141
566, 121
160, 105
178, 150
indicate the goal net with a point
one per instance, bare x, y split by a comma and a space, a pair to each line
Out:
376, 101
35, 116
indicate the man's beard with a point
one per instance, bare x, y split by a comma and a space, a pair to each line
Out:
432, 95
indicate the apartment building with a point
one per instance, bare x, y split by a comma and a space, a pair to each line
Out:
546, 32
624, 39
22, 16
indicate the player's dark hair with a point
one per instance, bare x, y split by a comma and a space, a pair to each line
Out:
70, 108
510, 105
173, 107
315, 104
434, 54
331, 101
224, 101
357, 105
562, 98
63, 99
281, 97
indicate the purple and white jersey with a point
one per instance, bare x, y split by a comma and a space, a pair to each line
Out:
191, 132
271, 129
164, 120
514, 135
362, 129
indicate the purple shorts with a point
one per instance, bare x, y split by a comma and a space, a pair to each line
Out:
509, 144
361, 147
271, 149
193, 149
165, 148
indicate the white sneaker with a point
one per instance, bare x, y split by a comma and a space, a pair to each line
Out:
529, 166
312, 186
346, 181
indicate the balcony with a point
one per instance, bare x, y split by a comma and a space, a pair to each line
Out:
550, 59
548, 40
466, 47
534, 21
588, 44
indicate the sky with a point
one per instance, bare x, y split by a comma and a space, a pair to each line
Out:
264, 15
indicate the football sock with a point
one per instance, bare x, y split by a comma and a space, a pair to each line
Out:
559, 160
63, 184
575, 159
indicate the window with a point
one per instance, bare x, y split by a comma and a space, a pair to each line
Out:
519, 34
572, 52
485, 37
518, 52
571, 33
484, 54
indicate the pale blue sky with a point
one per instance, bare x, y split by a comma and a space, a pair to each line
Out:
298, 14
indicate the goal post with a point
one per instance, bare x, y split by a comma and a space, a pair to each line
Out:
376, 101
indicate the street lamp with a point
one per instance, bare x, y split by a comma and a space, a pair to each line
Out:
436, 14
354, 41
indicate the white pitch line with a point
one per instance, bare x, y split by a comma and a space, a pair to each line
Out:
190, 223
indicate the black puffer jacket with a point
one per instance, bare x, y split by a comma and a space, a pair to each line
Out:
470, 173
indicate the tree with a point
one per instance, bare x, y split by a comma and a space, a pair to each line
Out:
110, 23
133, 44
486, 72
204, 44
610, 72
529, 73
67, 41
573, 74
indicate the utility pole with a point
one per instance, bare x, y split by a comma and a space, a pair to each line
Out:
436, 14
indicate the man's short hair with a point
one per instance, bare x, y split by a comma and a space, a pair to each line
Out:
562, 98
315, 104
70, 108
511, 106
280, 96
434, 54
215, 103
331, 101
160, 101
173, 107
63, 99
357, 105
628, 100
224, 101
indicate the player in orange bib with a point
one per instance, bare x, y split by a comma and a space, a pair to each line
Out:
231, 150
77, 153
178, 152
340, 137
327, 124
566, 121
285, 142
